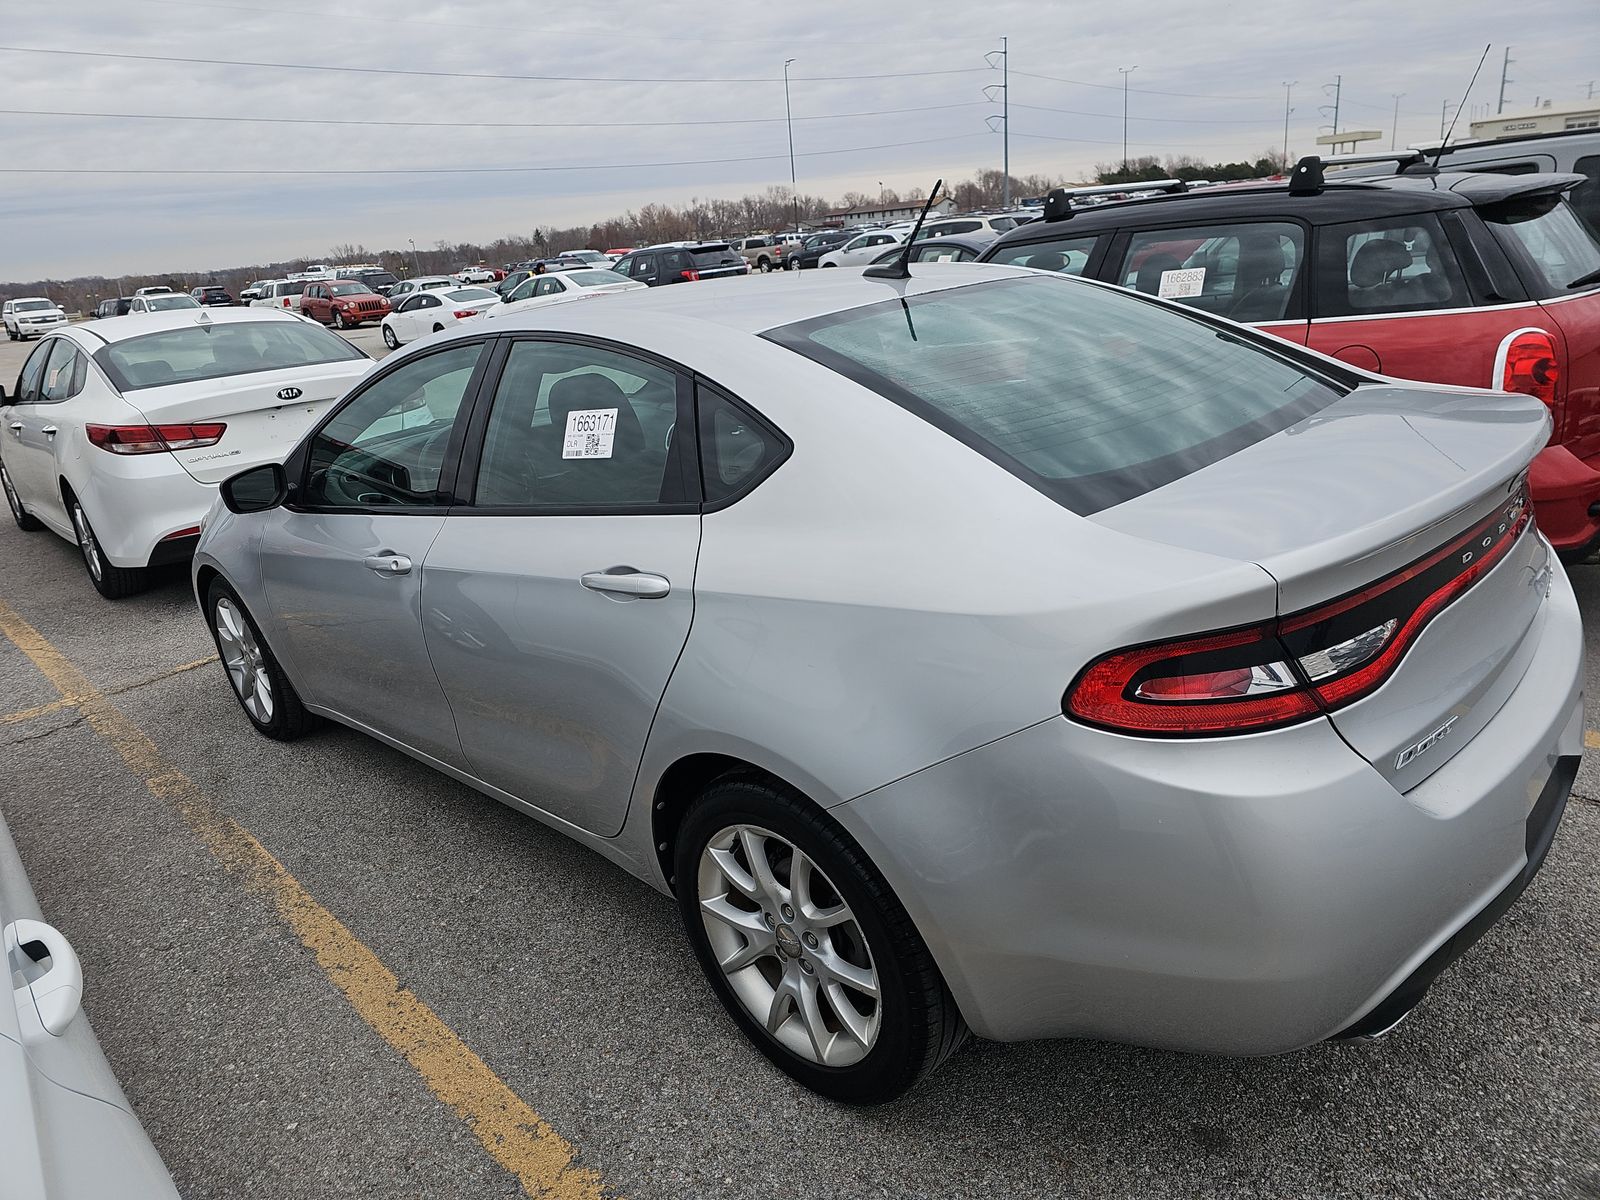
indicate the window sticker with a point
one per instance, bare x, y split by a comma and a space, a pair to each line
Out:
590, 432
1182, 284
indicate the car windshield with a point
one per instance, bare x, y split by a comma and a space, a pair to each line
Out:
1560, 244
1090, 395
162, 303
33, 305
350, 289
588, 278
216, 350
471, 295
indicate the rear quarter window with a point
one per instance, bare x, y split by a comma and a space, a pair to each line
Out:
1065, 256
1091, 395
1545, 233
1391, 265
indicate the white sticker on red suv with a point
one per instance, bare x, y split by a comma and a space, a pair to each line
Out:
1182, 284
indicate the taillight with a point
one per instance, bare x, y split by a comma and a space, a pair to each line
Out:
286, 301
1529, 364
690, 275
461, 314
154, 439
1299, 666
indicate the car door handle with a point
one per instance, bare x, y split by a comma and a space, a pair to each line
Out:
49, 431
57, 991
16, 428
388, 563
623, 581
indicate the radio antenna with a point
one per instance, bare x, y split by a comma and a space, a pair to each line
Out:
900, 267
1439, 153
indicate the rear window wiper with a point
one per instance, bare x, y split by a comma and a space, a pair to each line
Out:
1585, 280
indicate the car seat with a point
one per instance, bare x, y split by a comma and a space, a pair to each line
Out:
1148, 280
1375, 274
1259, 291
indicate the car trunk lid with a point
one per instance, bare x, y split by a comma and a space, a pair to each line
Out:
266, 413
1377, 502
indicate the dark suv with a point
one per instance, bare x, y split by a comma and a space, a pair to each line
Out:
815, 246
687, 263
1485, 280
116, 307
378, 281
212, 295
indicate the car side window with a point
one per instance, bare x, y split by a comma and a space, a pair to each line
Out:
548, 287
427, 301
1586, 196
581, 426
32, 373
386, 447
737, 449
1067, 256
933, 252
1244, 272
63, 377
1392, 265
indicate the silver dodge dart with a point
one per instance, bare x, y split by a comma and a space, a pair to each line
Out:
983, 650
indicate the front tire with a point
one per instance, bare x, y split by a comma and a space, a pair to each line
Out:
25, 520
389, 338
111, 581
339, 321
806, 945
258, 681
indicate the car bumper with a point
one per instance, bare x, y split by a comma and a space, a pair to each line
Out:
1566, 498
1243, 896
145, 509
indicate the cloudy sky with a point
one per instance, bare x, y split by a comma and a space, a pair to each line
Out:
605, 98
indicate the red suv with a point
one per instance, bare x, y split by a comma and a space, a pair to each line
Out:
1483, 280
342, 303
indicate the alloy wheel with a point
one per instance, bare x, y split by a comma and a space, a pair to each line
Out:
86, 542
389, 338
243, 660
791, 949
12, 498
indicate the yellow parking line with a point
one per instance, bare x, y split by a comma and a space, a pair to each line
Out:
518, 1138
69, 701
1591, 740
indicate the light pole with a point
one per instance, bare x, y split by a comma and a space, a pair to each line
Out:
415, 264
1288, 92
1126, 71
1394, 129
788, 115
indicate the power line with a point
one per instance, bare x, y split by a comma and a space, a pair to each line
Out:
280, 66
881, 112
690, 162
1073, 112
1114, 87
543, 32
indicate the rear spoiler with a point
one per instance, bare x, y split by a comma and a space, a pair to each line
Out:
1487, 187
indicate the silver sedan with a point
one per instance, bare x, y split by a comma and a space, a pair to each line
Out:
984, 651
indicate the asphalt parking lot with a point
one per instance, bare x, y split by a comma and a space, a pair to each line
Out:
321, 970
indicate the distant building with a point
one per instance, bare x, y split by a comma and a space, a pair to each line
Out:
1547, 118
903, 210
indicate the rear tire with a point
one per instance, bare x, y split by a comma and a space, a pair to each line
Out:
111, 581
25, 522
389, 338
259, 684
859, 949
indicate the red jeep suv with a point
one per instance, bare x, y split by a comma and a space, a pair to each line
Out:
1485, 280
342, 303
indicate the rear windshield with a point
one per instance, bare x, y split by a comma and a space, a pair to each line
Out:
722, 257
1092, 396
213, 351
589, 278
469, 295
1561, 246
162, 303
350, 289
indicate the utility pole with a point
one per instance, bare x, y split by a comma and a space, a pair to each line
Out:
1004, 86
1338, 90
1444, 115
1288, 92
1126, 71
415, 264
1505, 78
788, 113
1394, 129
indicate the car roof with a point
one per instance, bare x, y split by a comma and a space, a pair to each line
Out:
138, 324
749, 304
1340, 198
21, 299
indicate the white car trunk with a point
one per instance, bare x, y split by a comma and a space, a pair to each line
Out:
266, 412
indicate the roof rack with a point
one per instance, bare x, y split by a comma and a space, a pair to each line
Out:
1058, 204
1307, 178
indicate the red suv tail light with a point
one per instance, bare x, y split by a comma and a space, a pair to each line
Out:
1299, 666
154, 439
690, 275
1528, 363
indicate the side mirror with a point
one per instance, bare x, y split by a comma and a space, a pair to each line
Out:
256, 490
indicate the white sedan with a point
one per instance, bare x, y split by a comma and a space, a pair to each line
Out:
421, 283
425, 312
539, 290
116, 435
161, 302
861, 249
